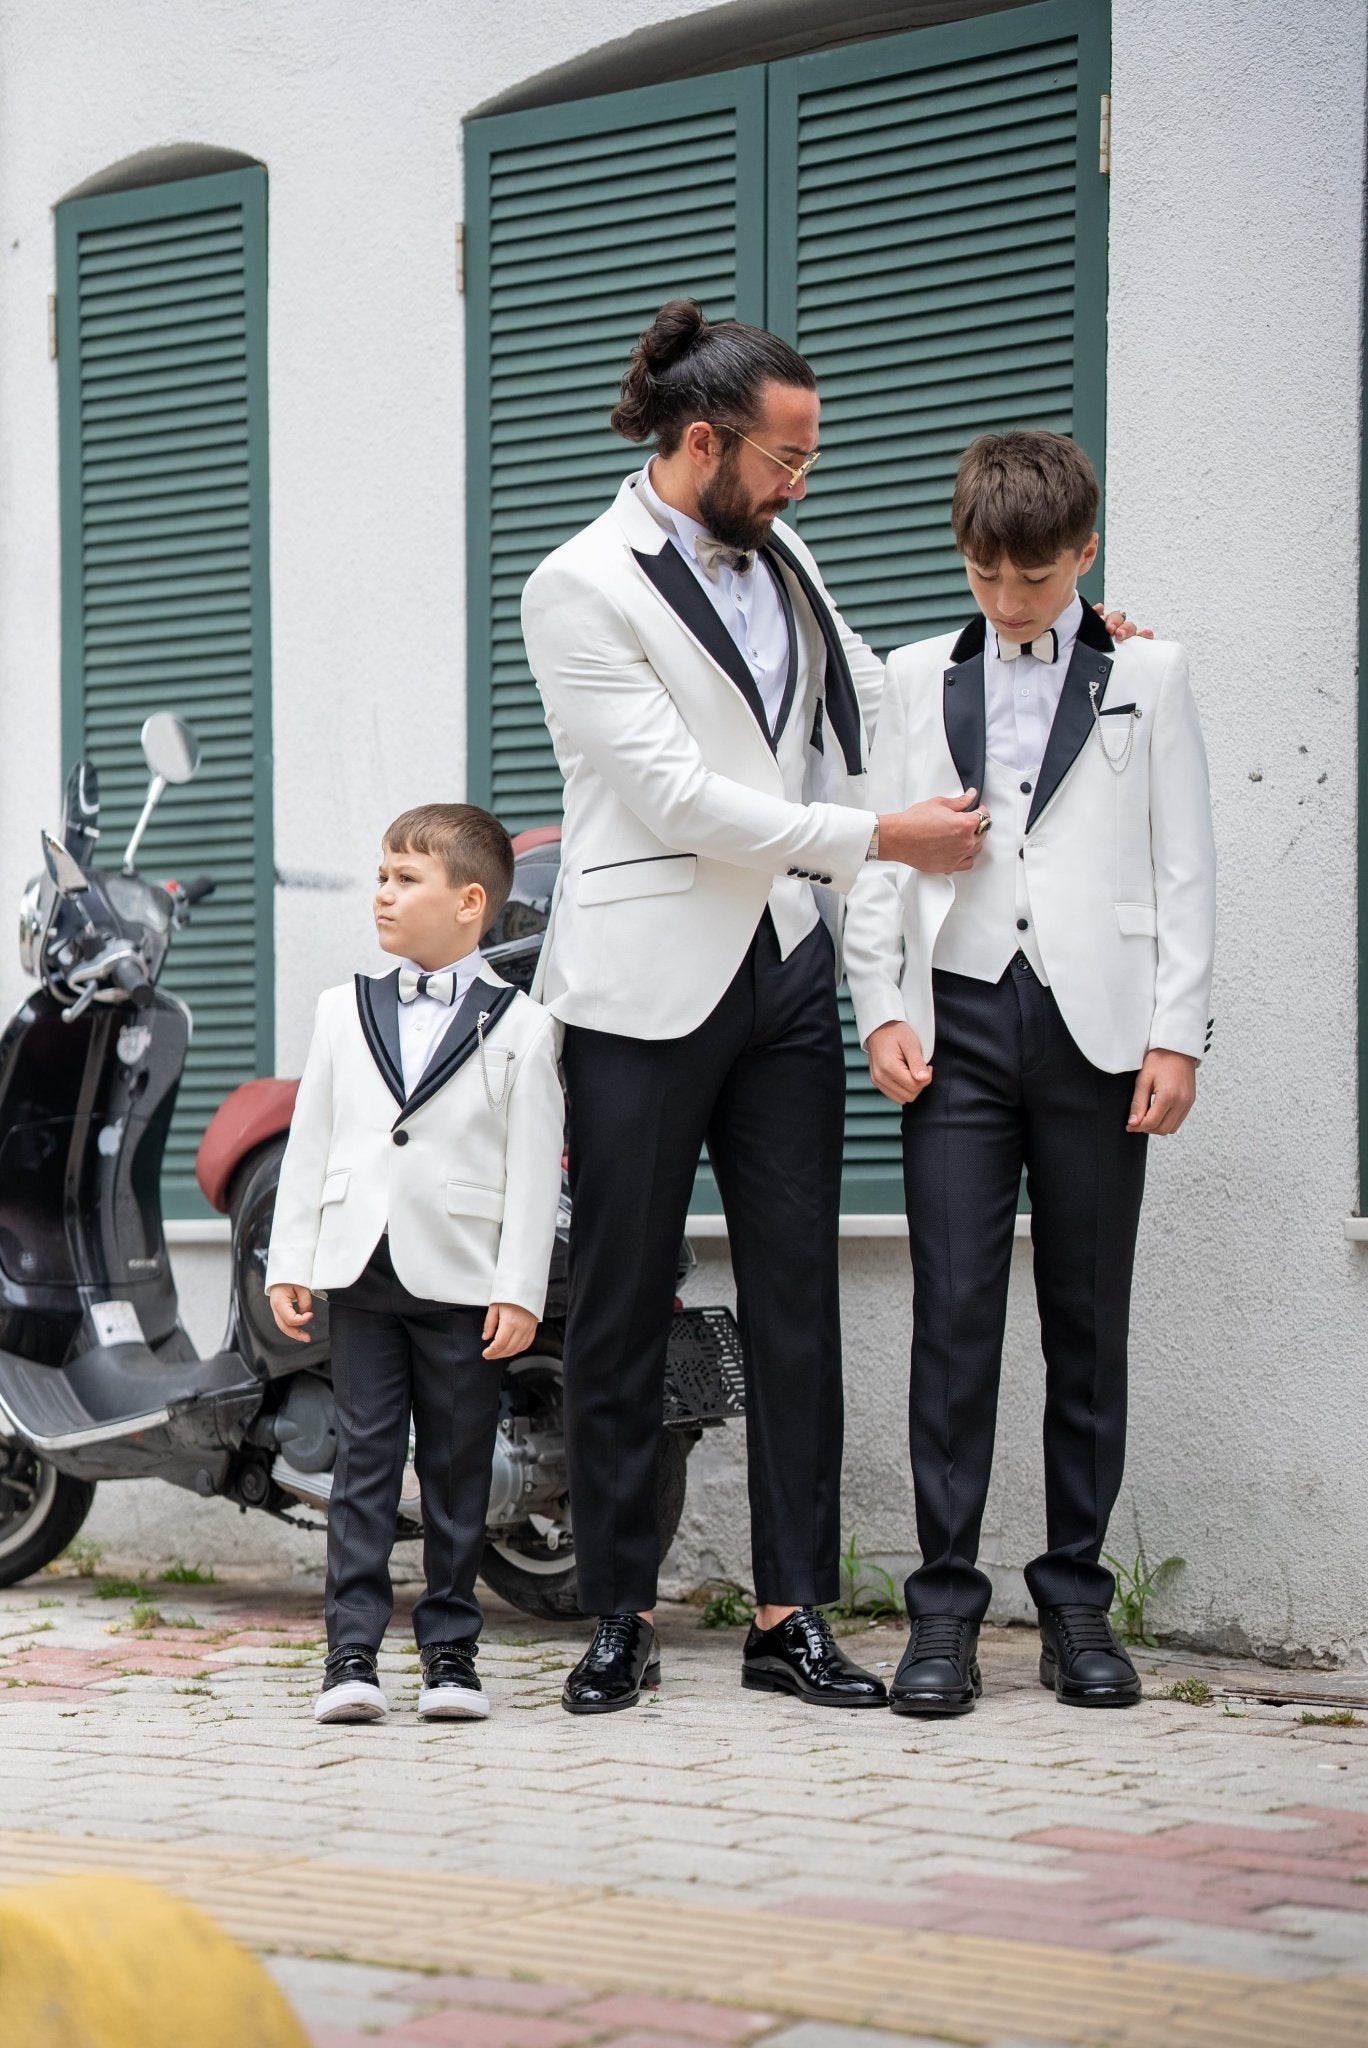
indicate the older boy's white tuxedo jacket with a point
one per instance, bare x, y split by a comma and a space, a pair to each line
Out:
465, 1172
1117, 843
676, 822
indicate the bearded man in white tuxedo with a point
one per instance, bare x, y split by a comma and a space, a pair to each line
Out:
709, 710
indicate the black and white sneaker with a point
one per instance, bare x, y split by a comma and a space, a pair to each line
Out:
351, 1687
451, 1691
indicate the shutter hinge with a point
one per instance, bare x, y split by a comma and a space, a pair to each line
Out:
460, 255
52, 327
1104, 137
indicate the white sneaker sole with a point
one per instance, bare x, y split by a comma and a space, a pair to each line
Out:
351, 1702
452, 1703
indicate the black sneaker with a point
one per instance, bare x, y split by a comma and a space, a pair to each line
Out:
1081, 1660
939, 1672
621, 1659
351, 1687
800, 1655
451, 1691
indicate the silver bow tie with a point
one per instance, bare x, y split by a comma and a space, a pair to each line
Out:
710, 552
441, 987
1045, 647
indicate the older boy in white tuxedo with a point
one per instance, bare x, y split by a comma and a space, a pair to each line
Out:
1045, 1010
419, 1190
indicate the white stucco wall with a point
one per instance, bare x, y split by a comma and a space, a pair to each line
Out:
1233, 383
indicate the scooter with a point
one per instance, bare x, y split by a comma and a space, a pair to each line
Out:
98, 1378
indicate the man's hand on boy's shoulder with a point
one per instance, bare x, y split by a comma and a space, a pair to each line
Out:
508, 1329
1122, 628
1165, 1090
292, 1307
896, 1063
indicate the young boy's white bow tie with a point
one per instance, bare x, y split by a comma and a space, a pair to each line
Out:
1045, 647
441, 987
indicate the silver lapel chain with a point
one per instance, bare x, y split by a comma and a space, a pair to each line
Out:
494, 1101
1116, 763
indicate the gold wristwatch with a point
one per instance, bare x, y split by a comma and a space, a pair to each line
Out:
873, 853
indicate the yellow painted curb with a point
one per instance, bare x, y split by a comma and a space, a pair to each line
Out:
108, 1962
966, 1987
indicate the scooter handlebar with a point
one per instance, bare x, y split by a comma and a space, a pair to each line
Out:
129, 976
196, 891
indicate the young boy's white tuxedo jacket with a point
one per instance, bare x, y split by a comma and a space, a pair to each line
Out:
465, 1173
1110, 851
676, 818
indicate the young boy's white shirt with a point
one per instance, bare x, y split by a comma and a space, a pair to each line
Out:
470, 1195
1118, 869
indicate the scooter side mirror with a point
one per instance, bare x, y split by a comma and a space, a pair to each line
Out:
170, 748
67, 874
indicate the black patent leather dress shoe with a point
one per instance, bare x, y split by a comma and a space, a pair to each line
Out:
351, 1687
620, 1660
802, 1656
451, 1691
1081, 1660
939, 1672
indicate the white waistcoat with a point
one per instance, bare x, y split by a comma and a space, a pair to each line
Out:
990, 918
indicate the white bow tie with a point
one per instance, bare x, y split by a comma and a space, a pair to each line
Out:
710, 552
1045, 647
441, 987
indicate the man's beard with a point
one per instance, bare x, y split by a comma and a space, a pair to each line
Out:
729, 514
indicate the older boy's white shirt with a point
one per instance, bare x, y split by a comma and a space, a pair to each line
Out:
1021, 697
423, 1021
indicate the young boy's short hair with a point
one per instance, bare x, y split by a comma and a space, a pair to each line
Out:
470, 843
1028, 495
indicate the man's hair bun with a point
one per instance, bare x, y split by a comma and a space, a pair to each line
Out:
686, 367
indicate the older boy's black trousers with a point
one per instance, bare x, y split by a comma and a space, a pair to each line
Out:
763, 1080
1011, 1089
394, 1355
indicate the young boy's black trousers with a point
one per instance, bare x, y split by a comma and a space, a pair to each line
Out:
394, 1355
1012, 1089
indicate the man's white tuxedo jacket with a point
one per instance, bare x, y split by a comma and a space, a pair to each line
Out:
676, 822
1117, 841
465, 1173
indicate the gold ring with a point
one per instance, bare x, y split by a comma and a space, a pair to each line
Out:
984, 821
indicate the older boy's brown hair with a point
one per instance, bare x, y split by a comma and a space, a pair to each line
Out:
470, 843
1027, 495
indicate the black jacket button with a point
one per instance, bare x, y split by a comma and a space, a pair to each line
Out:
400, 1137
1021, 924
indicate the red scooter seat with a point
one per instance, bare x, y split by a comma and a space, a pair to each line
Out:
256, 1111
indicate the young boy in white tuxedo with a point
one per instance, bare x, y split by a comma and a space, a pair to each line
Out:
419, 1190
1045, 1009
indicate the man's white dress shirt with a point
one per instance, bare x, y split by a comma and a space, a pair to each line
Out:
422, 1022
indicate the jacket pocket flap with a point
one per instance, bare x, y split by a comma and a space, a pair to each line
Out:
1137, 920
335, 1186
656, 874
469, 1198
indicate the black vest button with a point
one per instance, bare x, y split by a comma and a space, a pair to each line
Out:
1025, 789
1021, 926
400, 1137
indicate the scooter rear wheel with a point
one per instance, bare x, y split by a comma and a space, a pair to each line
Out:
41, 1509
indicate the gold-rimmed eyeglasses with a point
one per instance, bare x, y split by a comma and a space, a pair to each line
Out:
794, 473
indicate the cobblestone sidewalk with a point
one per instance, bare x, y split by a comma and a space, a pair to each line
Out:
717, 1866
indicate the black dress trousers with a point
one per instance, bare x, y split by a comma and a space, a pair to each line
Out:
395, 1355
763, 1080
1012, 1089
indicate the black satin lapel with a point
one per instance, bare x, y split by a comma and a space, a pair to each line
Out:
842, 702
791, 677
1073, 720
377, 1004
680, 588
459, 1040
966, 726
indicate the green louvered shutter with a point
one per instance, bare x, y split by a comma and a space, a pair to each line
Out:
937, 249
581, 221
161, 297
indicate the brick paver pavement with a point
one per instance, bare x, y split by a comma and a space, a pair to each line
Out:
1229, 1837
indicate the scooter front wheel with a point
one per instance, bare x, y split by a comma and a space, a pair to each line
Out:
41, 1509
